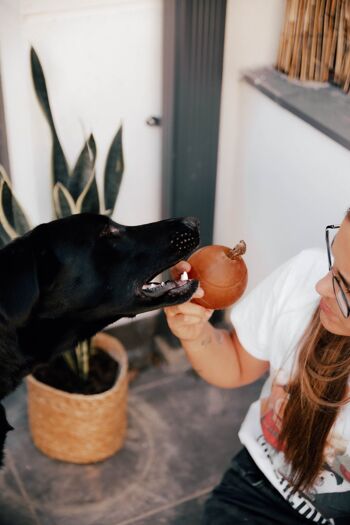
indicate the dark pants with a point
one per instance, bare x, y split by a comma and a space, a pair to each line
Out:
245, 496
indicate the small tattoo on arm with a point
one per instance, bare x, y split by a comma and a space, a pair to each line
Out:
219, 337
206, 341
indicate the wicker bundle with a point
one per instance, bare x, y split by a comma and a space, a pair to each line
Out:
81, 428
315, 41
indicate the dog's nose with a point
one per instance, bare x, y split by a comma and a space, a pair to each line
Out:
191, 222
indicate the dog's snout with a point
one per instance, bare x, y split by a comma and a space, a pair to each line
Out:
191, 222
186, 239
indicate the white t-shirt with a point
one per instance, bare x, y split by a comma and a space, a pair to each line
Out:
270, 322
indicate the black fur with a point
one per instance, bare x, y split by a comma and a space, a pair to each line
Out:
67, 279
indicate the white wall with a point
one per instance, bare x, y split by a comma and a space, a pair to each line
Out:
17, 95
292, 181
280, 181
251, 40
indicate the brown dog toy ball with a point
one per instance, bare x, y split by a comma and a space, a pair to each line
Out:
222, 274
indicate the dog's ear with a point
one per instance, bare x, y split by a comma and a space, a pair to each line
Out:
4, 428
19, 289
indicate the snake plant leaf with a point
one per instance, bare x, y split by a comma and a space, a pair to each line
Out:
63, 201
83, 353
6, 233
12, 218
70, 358
4, 238
60, 168
6, 215
59, 162
88, 201
113, 171
13, 213
83, 170
92, 146
40, 85
3, 175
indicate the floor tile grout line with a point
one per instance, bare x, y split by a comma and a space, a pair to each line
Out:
150, 513
11, 464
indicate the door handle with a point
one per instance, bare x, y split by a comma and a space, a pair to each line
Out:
154, 121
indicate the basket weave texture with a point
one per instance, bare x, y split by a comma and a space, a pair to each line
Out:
81, 428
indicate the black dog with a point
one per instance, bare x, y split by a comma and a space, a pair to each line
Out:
67, 279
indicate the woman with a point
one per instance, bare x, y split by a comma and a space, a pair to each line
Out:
294, 467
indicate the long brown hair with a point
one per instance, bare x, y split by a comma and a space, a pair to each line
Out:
316, 393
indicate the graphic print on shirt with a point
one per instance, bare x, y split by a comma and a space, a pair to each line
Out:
300, 502
334, 480
272, 410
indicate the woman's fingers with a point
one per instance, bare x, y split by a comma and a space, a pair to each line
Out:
188, 309
192, 319
179, 268
185, 309
198, 293
188, 319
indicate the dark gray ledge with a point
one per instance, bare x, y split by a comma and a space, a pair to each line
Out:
323, 106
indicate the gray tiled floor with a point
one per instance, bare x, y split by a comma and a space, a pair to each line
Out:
181, 436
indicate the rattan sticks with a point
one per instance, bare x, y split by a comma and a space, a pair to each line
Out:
315, 41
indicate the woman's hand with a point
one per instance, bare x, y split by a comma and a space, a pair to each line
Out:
186, 321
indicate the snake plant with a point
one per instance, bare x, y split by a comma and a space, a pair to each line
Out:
73, 191
13, 221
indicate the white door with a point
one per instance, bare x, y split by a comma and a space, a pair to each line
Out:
102, 61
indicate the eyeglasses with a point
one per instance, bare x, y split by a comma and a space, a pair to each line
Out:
338, 290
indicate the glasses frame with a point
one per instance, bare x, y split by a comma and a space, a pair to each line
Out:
337, 288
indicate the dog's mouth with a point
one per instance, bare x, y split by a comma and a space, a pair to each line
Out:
171, 288
178, 246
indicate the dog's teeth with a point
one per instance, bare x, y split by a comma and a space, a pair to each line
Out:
184, 276
162, 283
149, 286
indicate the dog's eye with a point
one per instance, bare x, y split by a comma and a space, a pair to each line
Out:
110, 231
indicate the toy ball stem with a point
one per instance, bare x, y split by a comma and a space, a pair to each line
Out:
238, 250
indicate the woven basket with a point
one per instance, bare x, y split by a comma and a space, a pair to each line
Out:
81, 428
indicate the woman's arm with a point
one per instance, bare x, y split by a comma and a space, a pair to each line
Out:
219, 358
216, 355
